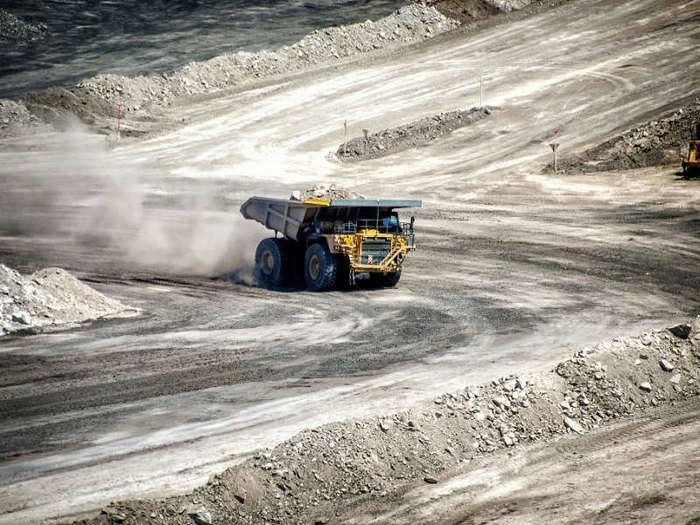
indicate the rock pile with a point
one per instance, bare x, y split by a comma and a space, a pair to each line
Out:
96, 98
470, 11
48, 298
508, 5
15, 31
655, 143
326, 192
15, 119
318, 474
415, 134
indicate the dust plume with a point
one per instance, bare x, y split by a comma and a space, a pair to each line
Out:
68, 192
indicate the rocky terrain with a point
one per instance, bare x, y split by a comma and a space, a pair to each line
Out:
414, 134
16, 32
470, 12
16, 119
654, 143
96, 100
143, 99
49, 298
657, 142
323, 473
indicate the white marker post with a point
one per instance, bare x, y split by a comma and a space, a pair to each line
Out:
481, 91
119, 121
345, 144
555, 147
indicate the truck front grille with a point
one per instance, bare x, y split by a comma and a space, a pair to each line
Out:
374, 250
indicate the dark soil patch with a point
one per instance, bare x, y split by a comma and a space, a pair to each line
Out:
415, 134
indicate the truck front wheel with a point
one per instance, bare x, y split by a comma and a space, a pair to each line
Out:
271, 263
320, 268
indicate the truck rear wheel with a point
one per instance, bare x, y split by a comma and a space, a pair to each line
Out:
385, 280
320, 268
272, 262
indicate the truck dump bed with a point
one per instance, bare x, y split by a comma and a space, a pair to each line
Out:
288, 217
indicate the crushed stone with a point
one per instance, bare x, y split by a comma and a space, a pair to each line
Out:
326, 192
16, 119
49, 298
16, 31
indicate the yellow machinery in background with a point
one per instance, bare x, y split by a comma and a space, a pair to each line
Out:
691, 163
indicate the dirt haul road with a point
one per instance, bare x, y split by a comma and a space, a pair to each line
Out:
514, 268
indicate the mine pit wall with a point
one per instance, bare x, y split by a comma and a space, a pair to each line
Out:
142, 98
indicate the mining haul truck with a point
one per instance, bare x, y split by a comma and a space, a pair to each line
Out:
330, 243
691, 163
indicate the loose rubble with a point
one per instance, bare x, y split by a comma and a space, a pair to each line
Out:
15, 119
470, 11
656, 143
415, 134
318, 474
508, 5
15, 31
326, 192
49, 298
95, 100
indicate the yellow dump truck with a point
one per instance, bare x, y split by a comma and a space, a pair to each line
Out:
691, 163
326, 244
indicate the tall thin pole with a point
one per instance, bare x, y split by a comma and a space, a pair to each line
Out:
481, 91
555, 147
119, 120
345, 144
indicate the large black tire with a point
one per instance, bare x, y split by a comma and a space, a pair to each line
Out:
320, 268
342, 279
272, 263
385, 280
295, 254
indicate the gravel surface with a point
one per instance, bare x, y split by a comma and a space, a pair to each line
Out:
415, 134
322, 474
49, 298
654, 143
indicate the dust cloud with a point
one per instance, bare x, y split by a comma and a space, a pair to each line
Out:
71, 192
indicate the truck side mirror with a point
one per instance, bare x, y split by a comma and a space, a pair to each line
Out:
413, 219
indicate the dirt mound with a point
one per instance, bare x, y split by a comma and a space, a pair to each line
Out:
322, 473
467, 11
48, 298
655, 143
15, 119
96, 99
415, 134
